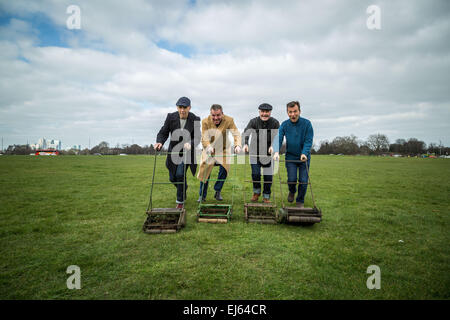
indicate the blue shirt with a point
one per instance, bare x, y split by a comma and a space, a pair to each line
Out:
299, 138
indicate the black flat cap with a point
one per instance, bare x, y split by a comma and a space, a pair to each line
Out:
265, 106
184, 102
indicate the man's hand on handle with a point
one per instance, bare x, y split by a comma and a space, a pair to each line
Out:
303, 157
276, 156
158, 146
209, 150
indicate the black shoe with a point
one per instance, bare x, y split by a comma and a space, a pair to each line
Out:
291, 197
218, 196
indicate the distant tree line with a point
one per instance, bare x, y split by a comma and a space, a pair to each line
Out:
375, 144
19, 149
378, 144
102, 148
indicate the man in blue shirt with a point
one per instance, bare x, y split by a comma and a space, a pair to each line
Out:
299, 137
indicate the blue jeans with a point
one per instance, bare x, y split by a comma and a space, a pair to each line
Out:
297, 170
178, 176
217, 186
256, 176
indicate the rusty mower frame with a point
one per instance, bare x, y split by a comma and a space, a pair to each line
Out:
165, 220
295, 215
266, 213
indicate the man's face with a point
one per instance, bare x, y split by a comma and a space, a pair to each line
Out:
293, 113
264, 114
216, 116
183, 111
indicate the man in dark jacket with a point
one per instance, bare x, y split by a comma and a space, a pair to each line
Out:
262, 131
184, 128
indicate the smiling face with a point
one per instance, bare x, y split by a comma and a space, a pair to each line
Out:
293, 113
183, 111
264, 115
216, 116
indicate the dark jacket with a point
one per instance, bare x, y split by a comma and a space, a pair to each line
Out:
257, 141
170, 125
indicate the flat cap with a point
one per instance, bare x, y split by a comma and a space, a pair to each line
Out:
184, 102
265, 106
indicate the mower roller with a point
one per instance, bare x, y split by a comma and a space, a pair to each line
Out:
215, 212
296, 215
266, 213
164, 220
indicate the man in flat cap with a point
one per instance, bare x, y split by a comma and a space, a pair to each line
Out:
184, 128
216, 149
262, 131
299, 138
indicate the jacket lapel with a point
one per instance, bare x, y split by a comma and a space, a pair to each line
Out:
176, 121
189, 126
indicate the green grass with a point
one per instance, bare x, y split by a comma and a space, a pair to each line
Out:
89, 211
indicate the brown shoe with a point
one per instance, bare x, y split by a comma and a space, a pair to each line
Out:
265, 200
255, 197
291, 197
300, 205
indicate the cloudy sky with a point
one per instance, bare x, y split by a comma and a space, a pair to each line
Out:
117, 77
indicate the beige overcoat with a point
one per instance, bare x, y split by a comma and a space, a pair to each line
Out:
217, 137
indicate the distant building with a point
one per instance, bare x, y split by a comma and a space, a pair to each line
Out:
47, 144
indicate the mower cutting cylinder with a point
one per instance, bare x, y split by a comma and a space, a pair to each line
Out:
214, 213
260, 213
212, 220
303, 219
161, 231
300, 215
164, 220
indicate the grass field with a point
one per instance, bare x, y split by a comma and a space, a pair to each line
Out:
89, 211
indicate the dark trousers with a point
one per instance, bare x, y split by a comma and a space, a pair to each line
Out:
256, 176
177, 178
217, 186
297, 170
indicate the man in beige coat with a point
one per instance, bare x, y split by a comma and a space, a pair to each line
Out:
216, 149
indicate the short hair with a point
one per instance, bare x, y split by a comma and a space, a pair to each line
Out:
216, 107
293, 104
